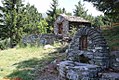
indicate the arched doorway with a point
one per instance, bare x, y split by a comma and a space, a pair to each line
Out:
60, 28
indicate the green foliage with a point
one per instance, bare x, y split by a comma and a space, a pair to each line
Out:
99, 21
72, 31
25, 63
18, 20
4, 44
80, 10
42, 26
32, 19
110, 8
12, 17
52, 14
1, 22
95, 21
112, 37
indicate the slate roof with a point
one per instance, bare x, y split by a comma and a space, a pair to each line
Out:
74, 18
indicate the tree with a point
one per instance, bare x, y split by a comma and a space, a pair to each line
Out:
110, 8
1, 22
52, 14
32, 18
95, 21
42, 26
12, 17
80, 10
98, 22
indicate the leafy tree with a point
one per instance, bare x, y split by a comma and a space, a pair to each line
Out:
52, 14
42, 26
110, 8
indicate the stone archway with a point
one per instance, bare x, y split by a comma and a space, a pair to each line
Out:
91, 44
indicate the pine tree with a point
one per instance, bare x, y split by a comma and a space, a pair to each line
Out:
1, 23
52, 14
80, 10
33, 18
110, 8
12, 18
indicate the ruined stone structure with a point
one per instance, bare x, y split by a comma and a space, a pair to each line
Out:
64, 24
37, 39
88, 58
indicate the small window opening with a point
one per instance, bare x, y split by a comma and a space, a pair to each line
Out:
83, 42
60, 28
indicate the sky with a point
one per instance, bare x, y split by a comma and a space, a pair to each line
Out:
69, 5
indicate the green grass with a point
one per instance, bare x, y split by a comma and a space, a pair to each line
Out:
112, 37
23, 62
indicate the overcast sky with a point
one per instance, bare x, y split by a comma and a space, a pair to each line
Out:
44, 5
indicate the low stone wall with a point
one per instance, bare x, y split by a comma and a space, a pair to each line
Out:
70, 70
37, 39
78, 71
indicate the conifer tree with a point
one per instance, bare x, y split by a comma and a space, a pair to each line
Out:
52, 14
12, 17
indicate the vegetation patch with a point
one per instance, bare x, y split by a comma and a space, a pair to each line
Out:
24, 62
112, 37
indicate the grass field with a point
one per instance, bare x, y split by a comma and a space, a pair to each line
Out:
22, 62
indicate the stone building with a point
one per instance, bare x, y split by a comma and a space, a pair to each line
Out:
64, 24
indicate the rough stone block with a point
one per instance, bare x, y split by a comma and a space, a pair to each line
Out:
110, 76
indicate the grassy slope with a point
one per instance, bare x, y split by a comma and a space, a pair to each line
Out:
112, 37
22, 62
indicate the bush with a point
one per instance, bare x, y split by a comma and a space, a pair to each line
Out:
4, 44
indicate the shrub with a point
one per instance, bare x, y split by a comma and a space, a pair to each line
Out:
4, 44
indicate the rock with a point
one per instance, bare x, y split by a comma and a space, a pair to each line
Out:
115, 60
48, 47
110, 76
77, 71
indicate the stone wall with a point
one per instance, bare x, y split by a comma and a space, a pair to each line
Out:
39, 39
94, 63
97, 51
65, 27
115, 60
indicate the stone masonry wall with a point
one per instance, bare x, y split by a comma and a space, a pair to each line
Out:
39, 39
97, 51
99, 61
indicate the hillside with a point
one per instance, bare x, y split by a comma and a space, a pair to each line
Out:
112, 37
25, 63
